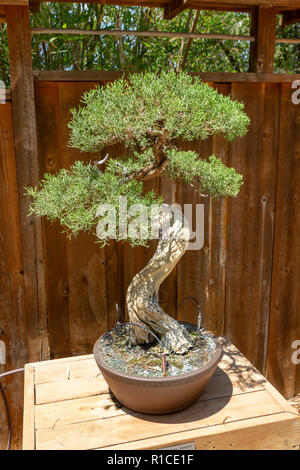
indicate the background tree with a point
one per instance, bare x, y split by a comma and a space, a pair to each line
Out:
63, 52
147, 114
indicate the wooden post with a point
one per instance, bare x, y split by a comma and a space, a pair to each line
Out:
23, 106
262, 50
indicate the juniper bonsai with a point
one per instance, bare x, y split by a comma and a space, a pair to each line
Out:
147, 113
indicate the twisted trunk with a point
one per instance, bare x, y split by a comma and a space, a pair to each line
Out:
142, 294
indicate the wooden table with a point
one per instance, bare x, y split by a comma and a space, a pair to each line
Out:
67, 406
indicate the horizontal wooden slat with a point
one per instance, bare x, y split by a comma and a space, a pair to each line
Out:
62, 370
125, 428
96, 407
51, 415
62, 360
275, 3
206, 4
255, 435
67, 390
14, 2
216, 77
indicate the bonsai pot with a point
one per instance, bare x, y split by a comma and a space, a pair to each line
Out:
158, 395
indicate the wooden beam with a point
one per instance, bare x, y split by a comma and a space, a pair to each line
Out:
24, 122
169, 34
263, 28
14, 2
290, 4
290, 17
216, 77
232, 5
2, 14
119, 32
173, 8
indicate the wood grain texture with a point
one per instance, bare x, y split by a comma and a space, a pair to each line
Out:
232, 5
255, 435
12, 315
250, 224
57, 284
76, 281
27, 170
284, 310
263, 28
217, 77
217, 233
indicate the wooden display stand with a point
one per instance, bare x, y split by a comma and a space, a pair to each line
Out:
67, 405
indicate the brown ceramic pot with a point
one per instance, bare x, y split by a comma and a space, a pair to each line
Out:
158, 395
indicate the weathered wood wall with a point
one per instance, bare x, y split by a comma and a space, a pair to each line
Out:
12, 315
246, 276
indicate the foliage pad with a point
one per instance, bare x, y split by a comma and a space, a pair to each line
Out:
147, 114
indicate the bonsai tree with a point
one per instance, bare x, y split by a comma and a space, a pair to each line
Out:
147, 113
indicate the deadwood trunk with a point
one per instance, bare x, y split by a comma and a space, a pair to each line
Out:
142, 295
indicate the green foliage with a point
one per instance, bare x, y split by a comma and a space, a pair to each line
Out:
78, 52
215, 178
73, 197
148, 105
147, 113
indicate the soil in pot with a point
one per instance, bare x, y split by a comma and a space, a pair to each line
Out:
116, 351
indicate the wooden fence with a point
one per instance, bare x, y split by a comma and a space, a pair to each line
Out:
246, 276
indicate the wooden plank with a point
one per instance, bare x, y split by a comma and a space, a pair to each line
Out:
284, 326
24, 120
250, 224
54, 372
173, 8
62, 360
70, 389
275, 432
280, 399
217, 77
61, 413
114, 275
203, 4
124, 428
12, 319
75, 321
138, 33
217, 234
28, 418
143, 3
279, 3
263, 27
92, 407
14, 2
50, 161
192, 269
